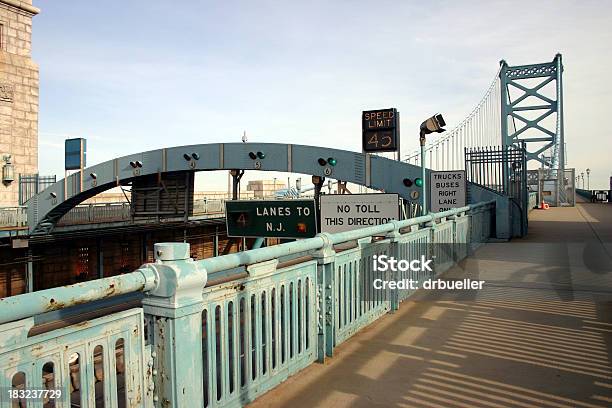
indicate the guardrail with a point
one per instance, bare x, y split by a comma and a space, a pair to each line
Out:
13, 218
96, 213
595, 195
222, 331
208, 206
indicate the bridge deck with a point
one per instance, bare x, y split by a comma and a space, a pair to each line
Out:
540, 335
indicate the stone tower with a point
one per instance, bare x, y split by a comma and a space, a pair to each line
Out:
18, 96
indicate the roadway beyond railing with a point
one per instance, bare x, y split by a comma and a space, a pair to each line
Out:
117, 212
221, 331
14, 218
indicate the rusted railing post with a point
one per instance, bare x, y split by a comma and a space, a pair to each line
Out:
175, 312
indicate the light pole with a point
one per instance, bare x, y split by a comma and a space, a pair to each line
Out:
424, 195
588, 179
434, 124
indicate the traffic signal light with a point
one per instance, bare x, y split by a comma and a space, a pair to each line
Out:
407, 182
330, 160
301, 227
193, 156
418, 182
258, 155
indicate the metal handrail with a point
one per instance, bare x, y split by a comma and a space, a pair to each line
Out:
30, 304
235, 260
143, 279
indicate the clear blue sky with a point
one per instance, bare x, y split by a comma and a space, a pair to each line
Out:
137, 75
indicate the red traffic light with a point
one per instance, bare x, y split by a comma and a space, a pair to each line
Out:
301, 228
407, 182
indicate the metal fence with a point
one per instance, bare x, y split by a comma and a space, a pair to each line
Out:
220, 331
32, 184
500, 168
504, 170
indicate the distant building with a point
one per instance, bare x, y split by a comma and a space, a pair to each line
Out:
18, 97
265, 188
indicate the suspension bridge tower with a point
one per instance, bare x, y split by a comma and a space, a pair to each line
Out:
524, 98
532, 116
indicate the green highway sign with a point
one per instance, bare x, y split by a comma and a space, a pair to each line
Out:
271, 218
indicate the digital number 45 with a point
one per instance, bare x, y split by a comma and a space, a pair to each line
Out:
384, 140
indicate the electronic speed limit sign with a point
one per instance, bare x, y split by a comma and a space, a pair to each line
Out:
380, 130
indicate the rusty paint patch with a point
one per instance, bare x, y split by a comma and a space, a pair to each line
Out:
239, 287
110, 291
55, 305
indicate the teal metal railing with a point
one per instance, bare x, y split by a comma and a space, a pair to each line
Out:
223, 330
588, 194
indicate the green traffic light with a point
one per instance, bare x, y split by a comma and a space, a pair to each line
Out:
418, 182
261, 155
332, 161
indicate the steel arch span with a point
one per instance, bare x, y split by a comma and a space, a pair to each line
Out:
46, 208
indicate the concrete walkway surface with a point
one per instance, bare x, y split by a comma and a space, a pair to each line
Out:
540, 335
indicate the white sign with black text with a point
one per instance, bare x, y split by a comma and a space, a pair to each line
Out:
447, 190
345, 212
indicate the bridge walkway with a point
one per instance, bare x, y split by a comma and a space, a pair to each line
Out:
538, 335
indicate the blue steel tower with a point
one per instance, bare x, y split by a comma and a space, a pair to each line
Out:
541, 138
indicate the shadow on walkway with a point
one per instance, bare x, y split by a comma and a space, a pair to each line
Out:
540, 336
